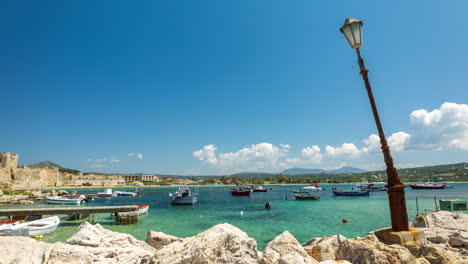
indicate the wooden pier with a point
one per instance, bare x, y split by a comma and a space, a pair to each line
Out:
68, 210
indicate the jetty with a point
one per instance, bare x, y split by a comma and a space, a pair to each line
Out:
125, 214
68, 210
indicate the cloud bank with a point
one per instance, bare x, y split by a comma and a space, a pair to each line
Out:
442, 128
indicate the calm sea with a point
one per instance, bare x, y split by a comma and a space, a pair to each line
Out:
304, 219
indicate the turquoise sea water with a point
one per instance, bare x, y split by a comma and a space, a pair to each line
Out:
304, 219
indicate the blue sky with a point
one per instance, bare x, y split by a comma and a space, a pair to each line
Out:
208, 87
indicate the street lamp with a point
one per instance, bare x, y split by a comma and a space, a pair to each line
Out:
352, 29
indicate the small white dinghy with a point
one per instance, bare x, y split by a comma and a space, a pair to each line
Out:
33, 228
64, 200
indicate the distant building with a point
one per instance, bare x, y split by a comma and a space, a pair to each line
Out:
144, 178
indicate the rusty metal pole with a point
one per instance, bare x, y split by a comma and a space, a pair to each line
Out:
396, 190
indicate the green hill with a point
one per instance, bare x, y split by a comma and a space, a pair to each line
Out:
45, 164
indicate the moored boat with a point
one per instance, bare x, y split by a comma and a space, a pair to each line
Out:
301, 191
183, 196
313, 187
353, 191
240, 191
427, 185
106, 193
33, 228
259, 189
371, 187
121, 193
65, 200
306, 197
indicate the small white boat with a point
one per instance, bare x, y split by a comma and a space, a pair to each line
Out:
33, 228
121, 193
183, 196
64, 200
313, 187
106, 193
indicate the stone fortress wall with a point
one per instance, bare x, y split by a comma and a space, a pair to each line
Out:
95, 180
25, 178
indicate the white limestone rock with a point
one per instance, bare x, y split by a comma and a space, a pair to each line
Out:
369, 250
159, 239
286, 249
323, 248
443, 220
23, 250
222, 243
335, 262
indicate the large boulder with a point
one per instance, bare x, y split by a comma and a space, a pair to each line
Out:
434, 255
286, 249
446, 230
324, 248
369, 250
444, 220
159, 239
221, 243
106, 245
23, 250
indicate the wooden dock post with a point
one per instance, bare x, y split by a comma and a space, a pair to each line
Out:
126, 218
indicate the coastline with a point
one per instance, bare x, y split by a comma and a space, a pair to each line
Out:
217, 185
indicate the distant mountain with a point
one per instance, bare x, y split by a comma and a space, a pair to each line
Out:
45, 164
297, 171
347, 169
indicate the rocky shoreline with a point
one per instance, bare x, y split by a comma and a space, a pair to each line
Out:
445, 240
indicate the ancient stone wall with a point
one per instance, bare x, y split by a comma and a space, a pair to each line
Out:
8, 160
26, 178
96, 180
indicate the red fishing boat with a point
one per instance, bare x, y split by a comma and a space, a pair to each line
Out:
239, 191
427, 185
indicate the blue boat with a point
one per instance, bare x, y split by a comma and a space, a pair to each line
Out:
353, 191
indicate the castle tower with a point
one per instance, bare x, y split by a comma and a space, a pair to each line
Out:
8, 160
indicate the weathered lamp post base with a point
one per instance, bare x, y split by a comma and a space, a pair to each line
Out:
410, 237
397, 202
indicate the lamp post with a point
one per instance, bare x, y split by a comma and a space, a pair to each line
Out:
352, 29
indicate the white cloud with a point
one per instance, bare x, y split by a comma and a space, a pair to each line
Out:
312, 154
397, 141
100, 163
137, 155
259, 156
345, 150
207, 154
443, 128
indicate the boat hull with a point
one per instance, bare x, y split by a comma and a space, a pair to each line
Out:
343, 193
240, 193
125, 194
306, 197
419, 187
259, 190
143, 209
184, 200
62, 201
33, 228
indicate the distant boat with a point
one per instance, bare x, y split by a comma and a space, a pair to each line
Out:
353, 191
106, 193
257, 189
33, 228
121, 193
306, 197
371, 187
313, 187
64, 200
239, 191
183, 196
427, 185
